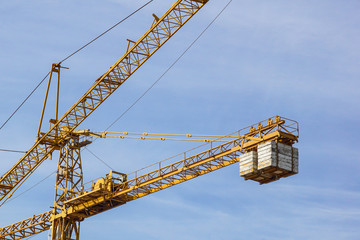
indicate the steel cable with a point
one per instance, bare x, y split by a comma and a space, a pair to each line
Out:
167, 70
72, 54
171, 66
9, 150
33, 186
108, 30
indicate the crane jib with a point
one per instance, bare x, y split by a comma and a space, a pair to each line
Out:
107, 193
161, 30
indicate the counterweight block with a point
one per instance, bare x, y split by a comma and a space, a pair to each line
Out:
270, 162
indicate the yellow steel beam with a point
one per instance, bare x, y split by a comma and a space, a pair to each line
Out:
105, 133
217, 157
28, 227
161, 136
168, 139
159, 33
154, 181
103, 199
187, 177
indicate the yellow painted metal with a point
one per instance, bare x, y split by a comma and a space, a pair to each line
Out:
144, 136
27, 227
98, 200
65, 228
69, 184
54, 69
160, 32
105, 133
168, 139
72, 204
117, 188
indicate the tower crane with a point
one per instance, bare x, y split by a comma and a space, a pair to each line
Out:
74, 201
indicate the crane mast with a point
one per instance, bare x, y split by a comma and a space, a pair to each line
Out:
68, 185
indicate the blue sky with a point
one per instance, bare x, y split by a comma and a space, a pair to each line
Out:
298, 59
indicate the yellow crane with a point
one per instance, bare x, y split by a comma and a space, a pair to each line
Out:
138, 53
75, 202
117, 188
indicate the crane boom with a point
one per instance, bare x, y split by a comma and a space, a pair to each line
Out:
117, 189
28, 227
161, 30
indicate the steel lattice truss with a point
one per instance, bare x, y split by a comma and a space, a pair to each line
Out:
215, 157
161, 30
164, 177
72, 204
27, 227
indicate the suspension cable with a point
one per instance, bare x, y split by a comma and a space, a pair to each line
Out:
23, 102
39, 84
131, 106
9, 150
166, 71
170, 67
33, 186
124, 19
98, 158
72, 54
